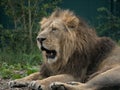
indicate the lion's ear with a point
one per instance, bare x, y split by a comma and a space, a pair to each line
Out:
44, 20
72, 22
56, 13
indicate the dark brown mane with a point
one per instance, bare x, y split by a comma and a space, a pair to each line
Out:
89, 51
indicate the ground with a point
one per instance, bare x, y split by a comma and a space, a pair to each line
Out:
4, 86
11, 72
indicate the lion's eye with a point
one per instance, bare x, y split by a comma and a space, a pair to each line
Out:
54, 29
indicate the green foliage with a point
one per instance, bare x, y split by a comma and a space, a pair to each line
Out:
108, 24
25, 15
18, 11
17, 70
22, 58
15, 40
18, 50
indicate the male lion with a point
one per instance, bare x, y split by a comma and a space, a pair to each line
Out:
73, 52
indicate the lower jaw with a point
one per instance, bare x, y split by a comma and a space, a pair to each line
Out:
50, 61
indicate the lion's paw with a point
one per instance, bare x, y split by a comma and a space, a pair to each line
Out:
57, 86
17, 83
35, 85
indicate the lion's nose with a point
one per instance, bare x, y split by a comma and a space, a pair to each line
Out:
41, 39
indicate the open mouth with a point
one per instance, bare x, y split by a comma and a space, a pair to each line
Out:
50, 54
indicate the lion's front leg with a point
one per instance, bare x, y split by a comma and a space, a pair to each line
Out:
108, 78
70, 86
38, 85
45, 83
23, 82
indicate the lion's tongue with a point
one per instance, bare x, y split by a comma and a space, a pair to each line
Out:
50, 55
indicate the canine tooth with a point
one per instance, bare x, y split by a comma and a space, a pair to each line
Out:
51, 53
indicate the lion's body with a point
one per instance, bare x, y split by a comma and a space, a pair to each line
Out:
104, 57
72, 51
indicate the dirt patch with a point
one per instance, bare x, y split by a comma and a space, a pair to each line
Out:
4, 86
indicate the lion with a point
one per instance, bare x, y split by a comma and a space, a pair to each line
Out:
75, 57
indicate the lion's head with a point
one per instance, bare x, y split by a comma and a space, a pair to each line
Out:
61, 35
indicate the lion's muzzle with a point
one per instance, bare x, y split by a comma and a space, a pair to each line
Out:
50, 54
40, 39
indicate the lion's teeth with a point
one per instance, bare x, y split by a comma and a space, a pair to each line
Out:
51, 54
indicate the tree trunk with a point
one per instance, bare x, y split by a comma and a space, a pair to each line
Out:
30, 24
15, 24
24, 22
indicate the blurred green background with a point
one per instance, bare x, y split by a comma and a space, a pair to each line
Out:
19, 27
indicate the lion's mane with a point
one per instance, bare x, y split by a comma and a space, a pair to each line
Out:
82, 48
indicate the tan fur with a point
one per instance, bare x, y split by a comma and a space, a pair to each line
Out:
80, 54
